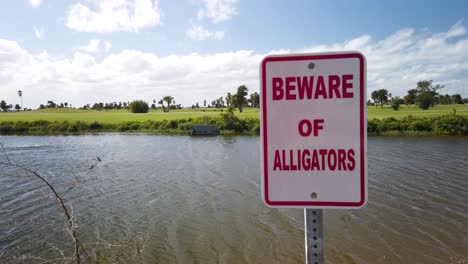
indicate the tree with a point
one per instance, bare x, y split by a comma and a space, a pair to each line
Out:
4, 106
51, 104
447, 99
255, 99
424, 100
426, 93
161, 102
411, 97
138, 106
204, 103
457, 99
241, 99
380, 96
221, 102
66, 104
41, 106
228, 99
20, 94
396, 103
17, 107
168, 99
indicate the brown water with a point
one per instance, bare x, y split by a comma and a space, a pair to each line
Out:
197, 200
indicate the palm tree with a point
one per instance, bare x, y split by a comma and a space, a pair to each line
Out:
161, 102
20, 93
168, 99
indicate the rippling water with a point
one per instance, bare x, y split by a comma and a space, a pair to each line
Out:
197, 200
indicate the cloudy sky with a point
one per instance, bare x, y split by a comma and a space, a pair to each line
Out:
86, 51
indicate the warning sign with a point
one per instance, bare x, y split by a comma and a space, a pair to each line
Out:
313, 134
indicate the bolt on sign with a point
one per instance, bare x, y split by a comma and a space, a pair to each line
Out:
314, 130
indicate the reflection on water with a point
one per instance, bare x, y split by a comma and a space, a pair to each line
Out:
197, 200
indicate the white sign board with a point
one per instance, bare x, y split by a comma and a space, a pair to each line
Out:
313, 134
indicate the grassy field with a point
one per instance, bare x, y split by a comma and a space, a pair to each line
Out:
119, 116
387, 111
116, 116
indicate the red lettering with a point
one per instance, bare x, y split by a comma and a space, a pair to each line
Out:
334, 85
277, 163
299, 167
347, 85
305, 87
291, 160
323, 154
351, 163
289, 88
278, 92
320, 89
308, 130
315, 162
341, 159
317, 126
305, 159
332, 159
285, 166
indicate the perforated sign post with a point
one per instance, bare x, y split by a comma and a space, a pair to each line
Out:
313, 134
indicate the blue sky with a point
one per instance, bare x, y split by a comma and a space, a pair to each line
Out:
86, 51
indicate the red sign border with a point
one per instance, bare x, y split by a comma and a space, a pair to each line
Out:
362, 125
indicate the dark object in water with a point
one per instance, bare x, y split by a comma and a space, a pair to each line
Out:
204, 130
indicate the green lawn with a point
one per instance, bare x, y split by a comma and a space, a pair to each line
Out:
115, 116
387, 111
118, 116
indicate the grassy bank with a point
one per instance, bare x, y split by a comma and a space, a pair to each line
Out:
440, 120
231, 124
228, 122
120, 116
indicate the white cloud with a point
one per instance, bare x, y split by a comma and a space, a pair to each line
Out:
113, 15
95, 45
91, 47
107, 46
395, 63
35, 3
197, 32
38, 32
217, 10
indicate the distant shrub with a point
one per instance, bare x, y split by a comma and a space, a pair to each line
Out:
396, 104
138, 106
424, 100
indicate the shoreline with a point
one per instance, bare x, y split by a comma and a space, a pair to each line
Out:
229, 124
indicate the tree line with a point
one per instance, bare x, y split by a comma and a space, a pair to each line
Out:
425, 95
239, 100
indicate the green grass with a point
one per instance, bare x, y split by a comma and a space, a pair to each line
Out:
438, 110
439, 120
119, 116
116, 116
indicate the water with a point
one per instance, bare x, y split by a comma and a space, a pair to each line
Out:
197, 200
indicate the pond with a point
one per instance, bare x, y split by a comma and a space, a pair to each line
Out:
198, 200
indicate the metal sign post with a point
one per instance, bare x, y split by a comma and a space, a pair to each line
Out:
313, 230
